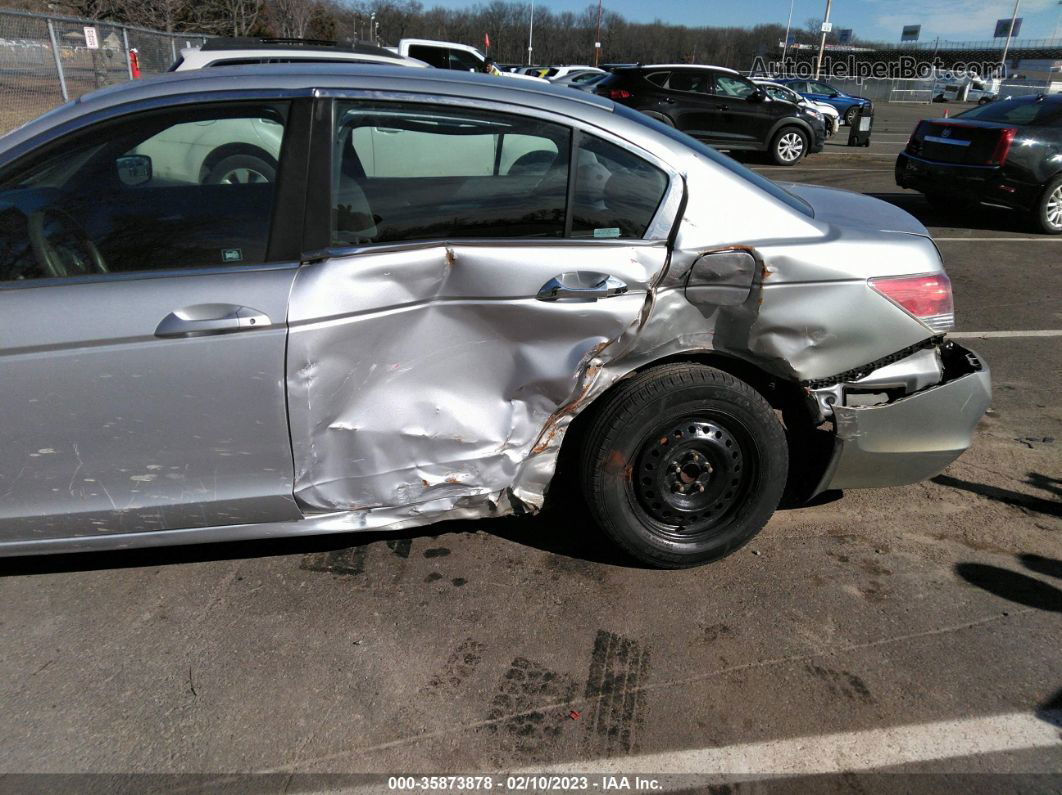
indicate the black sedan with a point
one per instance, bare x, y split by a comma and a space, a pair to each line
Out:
1006, 153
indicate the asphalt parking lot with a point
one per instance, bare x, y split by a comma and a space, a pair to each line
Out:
913, 630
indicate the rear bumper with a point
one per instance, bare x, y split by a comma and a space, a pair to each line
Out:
977, 183
912, 438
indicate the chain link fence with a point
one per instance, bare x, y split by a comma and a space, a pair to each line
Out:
46, 60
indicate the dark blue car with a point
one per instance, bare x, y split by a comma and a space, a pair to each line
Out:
848, 106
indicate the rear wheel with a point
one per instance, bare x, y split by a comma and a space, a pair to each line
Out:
1048, 214
684, 464
241, 170
850, 115
790, 144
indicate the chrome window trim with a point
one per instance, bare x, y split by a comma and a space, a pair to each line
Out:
128, 276
161, 102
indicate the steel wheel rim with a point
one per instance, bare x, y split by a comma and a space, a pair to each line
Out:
691, 474
1054, 208
790, 146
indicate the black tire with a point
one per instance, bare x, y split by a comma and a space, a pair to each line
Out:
785, 151
241, 169
1047, 217
850, 115
683, 464
660, 117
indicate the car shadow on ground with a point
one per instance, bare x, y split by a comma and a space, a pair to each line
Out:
1013, 586
1015, 498
979, 216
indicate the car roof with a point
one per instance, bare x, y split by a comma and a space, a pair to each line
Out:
228, 43
689, 66
289, 79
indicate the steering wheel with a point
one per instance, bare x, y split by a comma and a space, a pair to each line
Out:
62, 246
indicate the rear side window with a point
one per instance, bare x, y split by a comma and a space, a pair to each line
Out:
421, 172
616, 192
436, 56
1017, 111
699, 82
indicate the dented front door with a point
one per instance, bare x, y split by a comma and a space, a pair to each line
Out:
422, 375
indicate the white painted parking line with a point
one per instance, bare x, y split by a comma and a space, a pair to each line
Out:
838, 753
987, 335
783, 169
1044, 239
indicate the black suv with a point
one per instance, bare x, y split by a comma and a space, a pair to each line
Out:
720, 107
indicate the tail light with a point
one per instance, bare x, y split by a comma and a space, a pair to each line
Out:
913, 143
1006, 138
926, 297
619, 93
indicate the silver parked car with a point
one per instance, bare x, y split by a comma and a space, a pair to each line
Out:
442, 282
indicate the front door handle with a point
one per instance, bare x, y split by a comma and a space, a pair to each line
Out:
581, 286
668, 100
200, 320
723, 107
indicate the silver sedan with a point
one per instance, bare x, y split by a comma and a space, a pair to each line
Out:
281, 300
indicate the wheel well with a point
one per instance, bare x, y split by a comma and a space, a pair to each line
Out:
228, 150
791, 122
810, 448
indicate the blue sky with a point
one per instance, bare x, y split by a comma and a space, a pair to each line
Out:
955, 20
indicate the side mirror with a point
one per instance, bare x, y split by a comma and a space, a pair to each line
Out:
759, 95
835, 94
133, 169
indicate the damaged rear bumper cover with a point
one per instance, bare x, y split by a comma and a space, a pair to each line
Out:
914, 437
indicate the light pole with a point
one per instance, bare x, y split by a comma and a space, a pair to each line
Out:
788, 25
1010, 33
531, 33
822, 41
597, 36
372, 26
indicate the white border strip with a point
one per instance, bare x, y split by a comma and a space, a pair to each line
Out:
838, 753
1044, 239
987, 335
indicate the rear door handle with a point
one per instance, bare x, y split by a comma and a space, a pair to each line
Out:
669, 100
200, 320
581, 286
723, 107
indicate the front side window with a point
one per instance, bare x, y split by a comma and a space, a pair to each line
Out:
821, 88
733, 86
421, 172
159, 190
464, 61
782, 94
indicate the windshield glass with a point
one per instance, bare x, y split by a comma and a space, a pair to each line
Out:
728, 163
1016, 111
